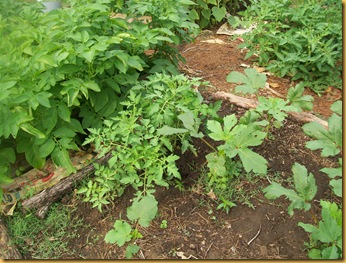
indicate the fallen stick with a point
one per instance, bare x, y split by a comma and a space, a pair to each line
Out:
43, 200
250, 103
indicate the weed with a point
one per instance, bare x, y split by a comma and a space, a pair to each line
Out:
46, 239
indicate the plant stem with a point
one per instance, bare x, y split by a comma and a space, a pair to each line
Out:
207, 143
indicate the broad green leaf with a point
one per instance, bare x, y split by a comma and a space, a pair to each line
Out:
252, 161
61, 158
47, 147
7, 155
7, 85
305, 184
330, 141
64, 132
167, 130
43, 98
64, 112
134, 63
4, 179
337, 107
294, 96
337, 186
219, 12
131, 250
33, 156
92, 85
120, 234
252, 80
88, 55
296, 201
144, 211
32, 130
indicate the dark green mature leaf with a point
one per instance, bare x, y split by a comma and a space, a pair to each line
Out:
144, 211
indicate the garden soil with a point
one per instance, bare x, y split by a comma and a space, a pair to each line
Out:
255, 229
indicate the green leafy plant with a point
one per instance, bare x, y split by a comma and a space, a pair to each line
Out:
238, 139
301, 40
329, 140
305, 189
226, 205
273, 111
73, 70
326, 239
141, 212
209, 12
251, 81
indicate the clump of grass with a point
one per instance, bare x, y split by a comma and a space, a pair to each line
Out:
44, 239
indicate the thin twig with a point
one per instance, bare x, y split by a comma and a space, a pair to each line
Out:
259, 230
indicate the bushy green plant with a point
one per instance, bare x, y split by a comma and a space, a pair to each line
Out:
209, 12
300, 39
68, 70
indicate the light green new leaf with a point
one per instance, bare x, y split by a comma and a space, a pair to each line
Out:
32, 130
120, 234
337, 107
216, 164
144, 210
131, 250
167, 130
330, 141
252, 80
219, 12
61, 158
305, 184
217, 133
252, 161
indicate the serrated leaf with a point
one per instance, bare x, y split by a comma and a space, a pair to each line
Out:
337, 186
330, 141
144, 210
252, 80
120, 234
252, 161
305, 184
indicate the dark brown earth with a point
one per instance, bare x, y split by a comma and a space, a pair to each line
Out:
195, 228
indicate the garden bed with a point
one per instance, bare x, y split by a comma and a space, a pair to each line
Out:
188, 224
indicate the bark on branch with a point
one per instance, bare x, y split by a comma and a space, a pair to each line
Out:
250, 103
43, 200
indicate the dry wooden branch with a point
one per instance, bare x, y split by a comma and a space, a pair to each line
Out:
43, 200
7, 251
245, 103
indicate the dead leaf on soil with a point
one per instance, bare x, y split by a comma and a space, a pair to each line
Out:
212, 195
273, 85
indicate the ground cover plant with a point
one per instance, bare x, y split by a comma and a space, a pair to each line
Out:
112, 83
300, 39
